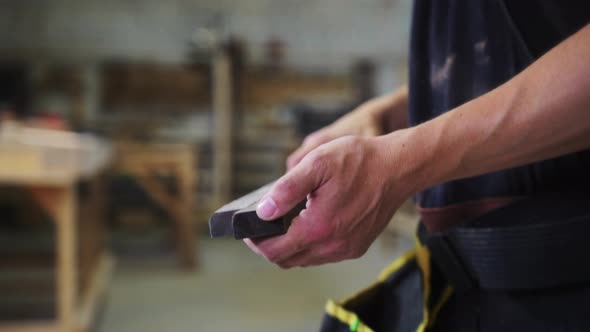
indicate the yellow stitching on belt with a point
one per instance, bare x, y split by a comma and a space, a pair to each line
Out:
397, 264
346, 317
404, 259
423, 259
443, 299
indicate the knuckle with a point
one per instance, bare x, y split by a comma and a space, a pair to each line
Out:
320, 233
292, 159
317, 161
285, 186
349, 139
313, 138
309, 138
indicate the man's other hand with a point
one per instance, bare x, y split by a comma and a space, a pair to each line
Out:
372, 118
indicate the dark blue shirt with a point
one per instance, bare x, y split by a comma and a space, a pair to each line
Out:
460, 50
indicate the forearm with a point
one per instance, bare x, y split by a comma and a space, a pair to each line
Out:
541, 113
390, 111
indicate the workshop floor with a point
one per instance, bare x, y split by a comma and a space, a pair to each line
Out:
234, 290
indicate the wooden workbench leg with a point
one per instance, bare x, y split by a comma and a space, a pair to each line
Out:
67, 281
188, 238
222, 131
186, 245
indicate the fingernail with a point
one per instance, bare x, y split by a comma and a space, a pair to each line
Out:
267, 208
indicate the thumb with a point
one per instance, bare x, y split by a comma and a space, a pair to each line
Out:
288, 191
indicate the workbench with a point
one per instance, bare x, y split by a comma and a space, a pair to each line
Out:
50, 165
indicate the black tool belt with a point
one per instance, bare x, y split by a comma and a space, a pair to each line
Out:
537, 242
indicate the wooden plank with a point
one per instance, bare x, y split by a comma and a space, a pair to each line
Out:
185, 230
91, 230
32, 156
260, 89
222, 140
67, 281
55, 179
41, 326
93, 295
145, 86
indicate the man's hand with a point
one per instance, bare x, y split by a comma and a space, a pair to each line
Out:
353, 185
372, 118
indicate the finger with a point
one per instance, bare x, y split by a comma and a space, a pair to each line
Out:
279, 248
253, 246
294, 260
299, 154
290, 190
311, 257
311, 142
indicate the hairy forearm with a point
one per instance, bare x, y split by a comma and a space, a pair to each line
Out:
541, 113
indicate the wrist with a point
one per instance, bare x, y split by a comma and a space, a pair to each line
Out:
412, 158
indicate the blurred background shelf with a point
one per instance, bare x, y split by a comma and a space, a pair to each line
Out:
187, 105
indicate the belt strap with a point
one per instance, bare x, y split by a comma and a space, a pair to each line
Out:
537, 242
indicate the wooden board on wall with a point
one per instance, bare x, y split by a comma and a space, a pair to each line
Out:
260, 88
149, 85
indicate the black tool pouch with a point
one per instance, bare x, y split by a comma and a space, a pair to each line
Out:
405, 298
525, 256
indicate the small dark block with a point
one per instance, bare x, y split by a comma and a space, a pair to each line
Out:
239, 219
